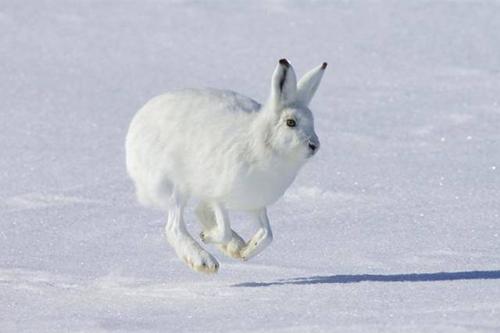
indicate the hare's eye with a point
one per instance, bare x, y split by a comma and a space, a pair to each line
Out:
290, 123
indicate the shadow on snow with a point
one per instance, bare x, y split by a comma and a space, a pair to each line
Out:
414, 277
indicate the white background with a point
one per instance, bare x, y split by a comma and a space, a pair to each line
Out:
406, 185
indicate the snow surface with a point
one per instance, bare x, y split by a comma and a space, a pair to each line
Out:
393, 227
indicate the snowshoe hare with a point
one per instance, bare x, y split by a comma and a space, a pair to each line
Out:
225, 150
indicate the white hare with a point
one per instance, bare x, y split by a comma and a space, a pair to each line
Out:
227, 151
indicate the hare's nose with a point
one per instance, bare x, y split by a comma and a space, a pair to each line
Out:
313, 147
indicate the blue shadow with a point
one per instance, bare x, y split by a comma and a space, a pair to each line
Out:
414, 277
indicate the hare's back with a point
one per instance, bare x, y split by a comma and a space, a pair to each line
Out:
193, 117
202, 103
194, 109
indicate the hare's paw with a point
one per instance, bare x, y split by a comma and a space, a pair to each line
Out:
258, 243
198, 259
203, 263
233, 247
215, 236
206, 237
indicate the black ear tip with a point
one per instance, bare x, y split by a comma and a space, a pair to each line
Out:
323, 66
284, 62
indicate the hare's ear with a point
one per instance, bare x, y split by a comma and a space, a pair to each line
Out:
309, 83
283, 85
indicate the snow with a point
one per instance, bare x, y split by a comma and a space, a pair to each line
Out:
393, 226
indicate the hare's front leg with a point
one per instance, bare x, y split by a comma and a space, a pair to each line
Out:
220, 233
208, 218
185, 246
262, 238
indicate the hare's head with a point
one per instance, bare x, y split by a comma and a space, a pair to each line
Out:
292, 123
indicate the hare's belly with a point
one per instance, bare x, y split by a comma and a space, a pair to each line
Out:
257, 190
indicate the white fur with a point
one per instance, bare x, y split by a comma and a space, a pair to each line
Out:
227, 151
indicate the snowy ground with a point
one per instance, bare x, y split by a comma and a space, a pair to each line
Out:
394, 226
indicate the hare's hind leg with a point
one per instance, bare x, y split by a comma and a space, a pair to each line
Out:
185, 246
214, 220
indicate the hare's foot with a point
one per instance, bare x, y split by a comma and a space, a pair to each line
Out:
255, 245
233, 247
195, 257
262, 238
215, 236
